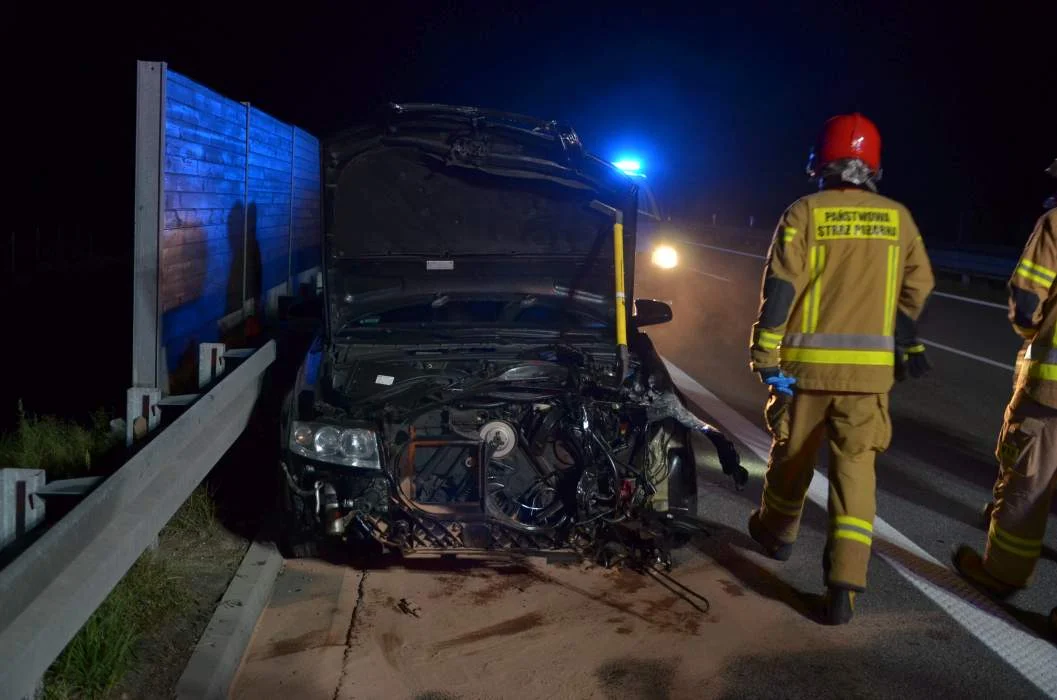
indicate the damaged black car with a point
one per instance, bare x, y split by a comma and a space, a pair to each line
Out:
479, 383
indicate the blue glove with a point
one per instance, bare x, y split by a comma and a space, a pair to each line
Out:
778, 380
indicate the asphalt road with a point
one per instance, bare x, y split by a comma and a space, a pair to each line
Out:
541, 630
939, 470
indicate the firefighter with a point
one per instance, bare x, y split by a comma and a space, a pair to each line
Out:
1027, 444
847, 277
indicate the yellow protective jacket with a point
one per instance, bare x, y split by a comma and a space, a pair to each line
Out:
843, 265
1033, 311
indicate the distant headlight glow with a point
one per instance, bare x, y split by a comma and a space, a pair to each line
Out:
664, 256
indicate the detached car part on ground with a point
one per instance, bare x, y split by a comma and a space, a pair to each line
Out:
478, 383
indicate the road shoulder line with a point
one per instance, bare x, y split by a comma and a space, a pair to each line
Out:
956, 351
970, 300
1032, 657
945, 295
725, 250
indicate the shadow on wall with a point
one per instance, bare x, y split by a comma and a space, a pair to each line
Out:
244, 276
252, 263
198, 320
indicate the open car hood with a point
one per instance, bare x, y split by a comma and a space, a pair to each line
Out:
438, 199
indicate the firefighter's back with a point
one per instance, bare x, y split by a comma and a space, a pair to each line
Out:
840, 335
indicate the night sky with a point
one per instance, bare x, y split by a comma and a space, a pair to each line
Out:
721, 105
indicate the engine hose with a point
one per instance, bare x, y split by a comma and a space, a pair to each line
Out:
613, 464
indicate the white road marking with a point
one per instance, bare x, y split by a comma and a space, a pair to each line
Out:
971, 356
725, 250
1034, 658
967, 300
956, 351
708, 274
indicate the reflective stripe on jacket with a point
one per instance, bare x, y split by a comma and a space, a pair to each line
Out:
841, 265
1033, 311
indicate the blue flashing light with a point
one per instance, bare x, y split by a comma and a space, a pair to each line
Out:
628, 166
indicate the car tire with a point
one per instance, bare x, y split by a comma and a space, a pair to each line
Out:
295, 541
299, 548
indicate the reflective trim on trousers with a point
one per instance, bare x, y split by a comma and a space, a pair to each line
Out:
858, 530
781, 505
1017, 546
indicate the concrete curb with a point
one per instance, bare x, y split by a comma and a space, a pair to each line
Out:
217, 657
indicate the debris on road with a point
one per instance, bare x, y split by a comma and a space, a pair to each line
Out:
408, 608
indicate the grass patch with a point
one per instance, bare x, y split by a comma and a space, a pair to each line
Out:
63, 449
196, 519
109, 647
104, 650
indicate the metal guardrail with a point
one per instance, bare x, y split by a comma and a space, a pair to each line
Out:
973, 264
53, 587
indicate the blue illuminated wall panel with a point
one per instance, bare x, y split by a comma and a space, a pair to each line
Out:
307, 226
270, 174
241, 201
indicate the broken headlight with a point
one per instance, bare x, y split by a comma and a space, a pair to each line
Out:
351, 447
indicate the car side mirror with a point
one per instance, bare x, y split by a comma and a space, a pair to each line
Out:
650, 312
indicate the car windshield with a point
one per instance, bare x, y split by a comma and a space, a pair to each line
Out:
468, 314
647, 202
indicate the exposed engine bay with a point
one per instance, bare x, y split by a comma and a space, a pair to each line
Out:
482, 382
533, 452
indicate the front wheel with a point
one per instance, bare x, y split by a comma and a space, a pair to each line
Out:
295, 540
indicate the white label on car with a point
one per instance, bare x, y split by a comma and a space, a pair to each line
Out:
383, 379
440, 264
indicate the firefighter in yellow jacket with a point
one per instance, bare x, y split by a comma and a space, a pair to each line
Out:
846, 279
1027, 444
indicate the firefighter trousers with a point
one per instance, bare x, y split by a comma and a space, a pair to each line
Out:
856, 427
1027, 477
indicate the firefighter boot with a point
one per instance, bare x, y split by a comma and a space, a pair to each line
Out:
840, 605
985, 514
772, 546
969, 564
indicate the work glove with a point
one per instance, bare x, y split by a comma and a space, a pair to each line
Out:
778, 380
910, 353
911, 361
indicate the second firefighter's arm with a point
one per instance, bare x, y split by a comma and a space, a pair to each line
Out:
1033, 280
784, 279
918, 283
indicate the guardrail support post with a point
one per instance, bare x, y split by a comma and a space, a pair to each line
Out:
142, 414
21, 509
210, 363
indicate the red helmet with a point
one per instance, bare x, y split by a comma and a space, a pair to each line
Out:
846, 137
